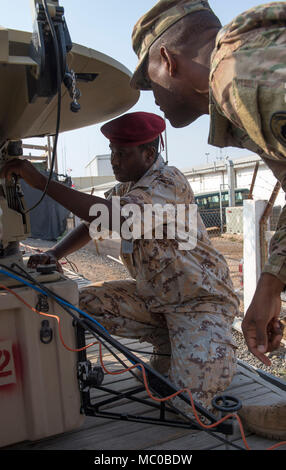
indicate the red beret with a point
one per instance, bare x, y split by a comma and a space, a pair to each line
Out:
133, 129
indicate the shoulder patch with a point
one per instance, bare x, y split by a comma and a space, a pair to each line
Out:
278, 126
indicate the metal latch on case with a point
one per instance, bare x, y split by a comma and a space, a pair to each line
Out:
46, 332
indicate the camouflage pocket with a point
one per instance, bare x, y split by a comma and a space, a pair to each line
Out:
256, 103
245, 94
222, 363
278, 126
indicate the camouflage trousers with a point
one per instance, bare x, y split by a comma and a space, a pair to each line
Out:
200, 360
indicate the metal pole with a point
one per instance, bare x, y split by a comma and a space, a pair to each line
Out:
166, 144
231, 183
49, 152
263, 223
250, 196
56, 158
220, 210
220, 206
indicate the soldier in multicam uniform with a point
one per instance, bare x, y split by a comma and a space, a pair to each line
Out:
179, 299
237, 74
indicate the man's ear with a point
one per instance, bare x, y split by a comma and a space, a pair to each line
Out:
150, 153
168, 59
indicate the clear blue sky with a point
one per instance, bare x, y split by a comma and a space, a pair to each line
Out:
106, 26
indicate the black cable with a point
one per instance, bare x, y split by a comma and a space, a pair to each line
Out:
50, 293
151, 353
59, 85
44, 288
85, 325
47, 291
72, 265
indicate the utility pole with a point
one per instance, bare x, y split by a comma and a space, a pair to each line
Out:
231, 183
166, 143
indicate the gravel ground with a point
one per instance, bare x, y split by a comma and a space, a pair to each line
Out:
97, 268
278, 358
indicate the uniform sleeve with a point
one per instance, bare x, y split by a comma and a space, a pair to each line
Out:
248, 104
276, 263
99, 242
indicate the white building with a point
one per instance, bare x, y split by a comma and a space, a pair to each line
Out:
206, 178
214, 176
100, 165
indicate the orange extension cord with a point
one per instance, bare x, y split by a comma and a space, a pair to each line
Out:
46, 315
210, 426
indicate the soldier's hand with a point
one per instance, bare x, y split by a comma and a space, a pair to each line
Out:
23, 169
261, 326
48, 257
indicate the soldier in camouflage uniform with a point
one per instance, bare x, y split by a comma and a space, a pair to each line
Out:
179, 299
237, 74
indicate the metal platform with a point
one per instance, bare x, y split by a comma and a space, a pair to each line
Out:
250, 386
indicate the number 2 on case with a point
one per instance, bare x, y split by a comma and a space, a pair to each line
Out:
4, 361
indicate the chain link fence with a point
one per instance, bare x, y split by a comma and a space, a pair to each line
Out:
214, 220
225, 228
216, 214
226, 220
229, 220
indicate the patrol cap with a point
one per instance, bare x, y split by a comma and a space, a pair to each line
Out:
133, 129
153, 24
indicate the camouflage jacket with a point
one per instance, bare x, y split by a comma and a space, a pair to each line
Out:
167, 277
248, 98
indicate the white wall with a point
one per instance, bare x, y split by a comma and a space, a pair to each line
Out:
264, 185
104, 167
252, 212
210, 180
99, 166
207, 182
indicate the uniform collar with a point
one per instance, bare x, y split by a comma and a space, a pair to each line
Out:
150, 174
